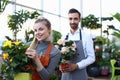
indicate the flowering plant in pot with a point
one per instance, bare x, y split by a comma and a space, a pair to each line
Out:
14, 59
68, 50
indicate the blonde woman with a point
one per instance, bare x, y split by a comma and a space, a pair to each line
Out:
42, 51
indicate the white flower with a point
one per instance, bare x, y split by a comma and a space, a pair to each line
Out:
57, 46
67, 48
64, 50
60, 41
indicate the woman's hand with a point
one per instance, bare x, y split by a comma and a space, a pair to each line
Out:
31, 53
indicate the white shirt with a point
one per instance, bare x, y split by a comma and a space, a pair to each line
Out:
87, 47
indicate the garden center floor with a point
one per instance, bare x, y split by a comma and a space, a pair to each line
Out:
101, 77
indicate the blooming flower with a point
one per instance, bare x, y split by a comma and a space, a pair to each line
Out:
5, 56
17, 43
10, 60
7, 43
14, 59
67, 48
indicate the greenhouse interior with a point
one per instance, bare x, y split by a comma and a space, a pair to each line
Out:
99, 18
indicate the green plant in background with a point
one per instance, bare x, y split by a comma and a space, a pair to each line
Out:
56, 36
3, 4
54, 77
117, 16
100, 39
113, 48
28, 34
16, 21
116, 31
91, 22
116, 48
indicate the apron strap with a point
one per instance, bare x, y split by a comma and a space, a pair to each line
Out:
80, 34
66, 38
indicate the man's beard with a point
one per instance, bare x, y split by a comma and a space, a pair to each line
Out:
74, 26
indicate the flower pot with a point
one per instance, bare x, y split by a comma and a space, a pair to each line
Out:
64, 65
23, 76
104, 70
93, 71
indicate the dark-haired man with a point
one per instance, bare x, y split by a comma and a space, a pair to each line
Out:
85, 51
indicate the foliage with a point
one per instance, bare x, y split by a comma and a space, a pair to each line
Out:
117, 31
117, 16
114, 50
107, 18
14, 58
115, 47
91, 22
56, 35
100, 53
67, 48
54, 77
100, 39
3, 4
15, 21
27, 35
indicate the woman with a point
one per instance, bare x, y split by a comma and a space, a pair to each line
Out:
42, 51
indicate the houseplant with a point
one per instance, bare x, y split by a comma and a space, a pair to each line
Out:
16, 21
14, 59
68, 50
91, 22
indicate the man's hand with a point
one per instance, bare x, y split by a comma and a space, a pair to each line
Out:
69, 68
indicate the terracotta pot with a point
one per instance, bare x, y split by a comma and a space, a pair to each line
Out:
64, 65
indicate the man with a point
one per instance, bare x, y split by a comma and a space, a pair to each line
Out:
85, 51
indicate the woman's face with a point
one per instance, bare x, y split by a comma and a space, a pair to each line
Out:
41, 31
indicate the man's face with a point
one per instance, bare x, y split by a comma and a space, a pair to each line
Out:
74, 20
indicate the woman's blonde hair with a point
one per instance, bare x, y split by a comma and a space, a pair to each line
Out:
47, 23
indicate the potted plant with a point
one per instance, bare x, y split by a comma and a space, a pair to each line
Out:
15, 21
68, 50
91, 22
14, 60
